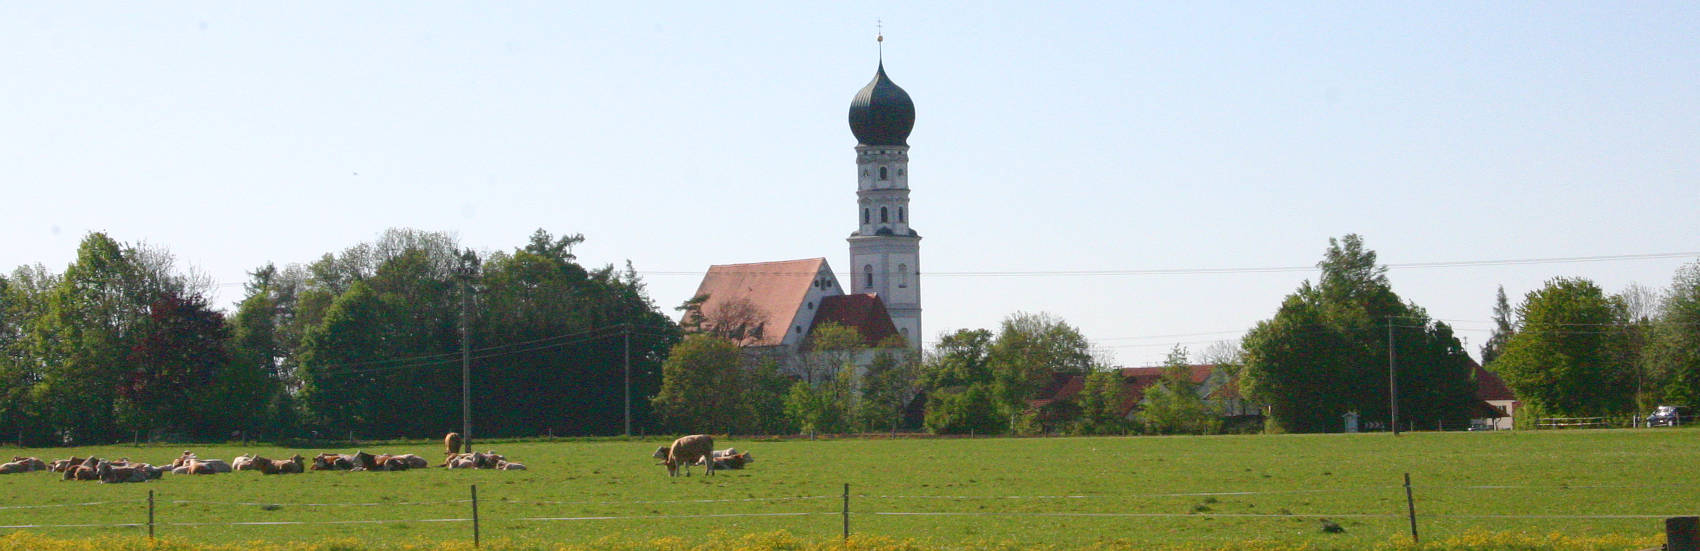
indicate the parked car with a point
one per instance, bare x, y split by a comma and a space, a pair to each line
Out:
1669, 416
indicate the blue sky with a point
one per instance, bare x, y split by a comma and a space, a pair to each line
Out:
1049, 138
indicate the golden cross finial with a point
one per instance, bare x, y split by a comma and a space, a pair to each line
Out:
879, 37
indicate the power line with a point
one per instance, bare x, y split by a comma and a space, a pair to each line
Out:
1239, 270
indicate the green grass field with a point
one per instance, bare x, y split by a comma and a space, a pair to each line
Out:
1065, 492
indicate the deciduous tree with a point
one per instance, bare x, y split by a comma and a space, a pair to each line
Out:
1563, 360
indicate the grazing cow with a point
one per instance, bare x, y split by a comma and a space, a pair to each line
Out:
451, 444
688, 450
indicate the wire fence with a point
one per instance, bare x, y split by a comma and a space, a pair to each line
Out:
847, 507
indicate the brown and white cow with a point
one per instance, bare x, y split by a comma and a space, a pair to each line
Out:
292, 465
686, 451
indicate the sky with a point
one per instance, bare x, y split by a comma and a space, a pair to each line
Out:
1139, 170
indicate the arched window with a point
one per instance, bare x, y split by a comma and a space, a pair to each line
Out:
882, 173
868, 275
902, 275
883, 215
900, 214
864, 215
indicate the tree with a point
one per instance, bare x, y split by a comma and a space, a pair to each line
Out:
965, 410
832, 348
1563, 361
958, 383
1325, 352
1172, 405
1502, 329
93, 316
1029, 350
180, 376
1101, 400
891, 382
702, 388
1673, 355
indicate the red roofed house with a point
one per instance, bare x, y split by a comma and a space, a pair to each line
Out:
1497, 406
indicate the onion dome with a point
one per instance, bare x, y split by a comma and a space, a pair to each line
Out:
881, 113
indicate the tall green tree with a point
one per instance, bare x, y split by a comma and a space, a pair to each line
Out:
1502, 328
891, 382
92, 318
1564, 361
1029, 350
959, 385
342, 360
1101, 399
703, 387
1673, 355
1325, 352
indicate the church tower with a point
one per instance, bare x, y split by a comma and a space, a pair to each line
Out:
884, 249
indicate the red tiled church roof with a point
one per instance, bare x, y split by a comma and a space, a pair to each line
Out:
773, 290
865, 312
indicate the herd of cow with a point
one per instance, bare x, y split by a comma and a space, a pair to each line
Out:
697, 449
124, 470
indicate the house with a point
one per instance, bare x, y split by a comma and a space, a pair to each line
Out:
1496, 407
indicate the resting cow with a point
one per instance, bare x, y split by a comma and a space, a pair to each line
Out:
734, 461
63, 465
279, 466
332, 462
688, 450
136, 472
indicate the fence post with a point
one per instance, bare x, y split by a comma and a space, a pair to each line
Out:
150, 515
1411, 509
475, 515
1682, 534
846, 512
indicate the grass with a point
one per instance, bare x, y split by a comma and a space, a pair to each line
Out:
1582, 487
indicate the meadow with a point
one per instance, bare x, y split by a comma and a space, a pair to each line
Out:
1597, 489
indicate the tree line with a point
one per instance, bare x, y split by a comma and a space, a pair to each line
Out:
1324, 354
366, 341
1570, 349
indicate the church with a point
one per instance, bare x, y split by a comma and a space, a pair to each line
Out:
772, 308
